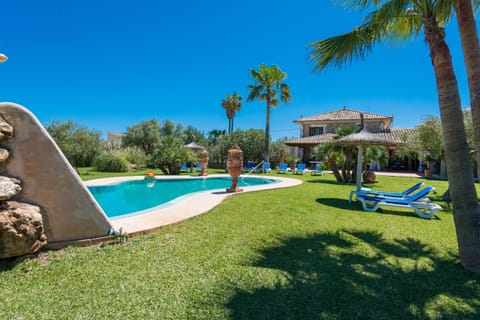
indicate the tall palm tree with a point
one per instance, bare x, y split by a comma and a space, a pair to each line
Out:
471, 54
269, 81
231, 104
410, 18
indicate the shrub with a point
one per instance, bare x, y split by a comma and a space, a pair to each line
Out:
110, 162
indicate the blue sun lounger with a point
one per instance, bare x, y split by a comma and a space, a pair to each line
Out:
419, 202
402, 194
283, 168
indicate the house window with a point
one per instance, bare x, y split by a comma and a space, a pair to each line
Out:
317, 130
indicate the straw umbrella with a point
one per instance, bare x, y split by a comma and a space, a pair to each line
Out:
361, 139
194, 146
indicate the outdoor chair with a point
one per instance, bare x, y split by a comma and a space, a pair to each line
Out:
283, 168
250, 166
402, 194
300, 169
317, 170
419, 202
266, 167
183, 167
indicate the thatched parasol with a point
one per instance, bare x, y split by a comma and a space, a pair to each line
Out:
194, 146
360, 139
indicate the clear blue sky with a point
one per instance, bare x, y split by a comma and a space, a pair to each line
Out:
110, 64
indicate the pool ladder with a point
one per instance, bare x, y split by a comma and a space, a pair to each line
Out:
249, 172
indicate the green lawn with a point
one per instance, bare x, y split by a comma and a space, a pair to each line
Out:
296, 253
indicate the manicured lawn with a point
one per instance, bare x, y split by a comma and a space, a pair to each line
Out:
297, 253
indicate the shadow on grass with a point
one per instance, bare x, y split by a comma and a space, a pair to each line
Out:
359, 275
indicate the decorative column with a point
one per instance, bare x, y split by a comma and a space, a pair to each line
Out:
234, 166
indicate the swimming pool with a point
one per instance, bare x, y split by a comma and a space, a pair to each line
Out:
131, 197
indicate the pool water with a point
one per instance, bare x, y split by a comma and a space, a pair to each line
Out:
132, 196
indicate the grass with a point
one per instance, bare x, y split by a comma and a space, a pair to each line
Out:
296, 253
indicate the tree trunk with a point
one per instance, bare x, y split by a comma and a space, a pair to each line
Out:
466, 211
266, 151
471, 53
335, 171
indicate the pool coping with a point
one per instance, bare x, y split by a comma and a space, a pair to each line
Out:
183, 208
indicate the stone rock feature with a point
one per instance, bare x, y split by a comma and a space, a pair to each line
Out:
9, 188
6, 130
4, 154
21, 229
21, 224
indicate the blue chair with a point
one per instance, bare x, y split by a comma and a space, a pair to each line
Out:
300, 169
250, 166
183, 167
418, 202
283, 168
402, 194
318, 171
266, 167
197, 167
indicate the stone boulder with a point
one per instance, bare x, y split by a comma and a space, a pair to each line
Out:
6, 130
9, 187
4, 154
21, 229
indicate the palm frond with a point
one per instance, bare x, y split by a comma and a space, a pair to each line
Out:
358, 4
444, 10
285, 93
344, 48
476, 6
255, 92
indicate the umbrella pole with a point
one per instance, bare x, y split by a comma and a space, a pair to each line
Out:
359, 167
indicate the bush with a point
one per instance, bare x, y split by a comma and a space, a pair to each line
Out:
110, 162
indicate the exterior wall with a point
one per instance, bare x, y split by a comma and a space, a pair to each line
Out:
68, 209
114, 139
332, 127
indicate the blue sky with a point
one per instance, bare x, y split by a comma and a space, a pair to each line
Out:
110, 64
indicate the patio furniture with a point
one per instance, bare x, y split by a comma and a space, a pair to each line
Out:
283, 168
250, 166
300, 169
419, 202
317, 170
266, 167
402, 194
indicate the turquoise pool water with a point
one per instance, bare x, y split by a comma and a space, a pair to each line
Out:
129, 197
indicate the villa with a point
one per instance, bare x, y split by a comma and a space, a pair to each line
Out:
319, 129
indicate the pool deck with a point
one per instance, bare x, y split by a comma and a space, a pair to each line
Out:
182, 208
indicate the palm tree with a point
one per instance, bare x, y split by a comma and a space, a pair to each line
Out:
231, 104
409, 18
269, 80
471, 54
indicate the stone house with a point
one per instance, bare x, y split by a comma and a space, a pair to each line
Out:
321, 128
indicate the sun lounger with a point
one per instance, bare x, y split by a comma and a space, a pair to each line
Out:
419, 202
250, 166
402, 194
300, 169
283, 168
266, 167
317, 170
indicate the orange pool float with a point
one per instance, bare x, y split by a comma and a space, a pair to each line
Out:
150, 174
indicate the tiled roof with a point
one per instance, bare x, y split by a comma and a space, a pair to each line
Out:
313, 140
342, 115
393, 134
